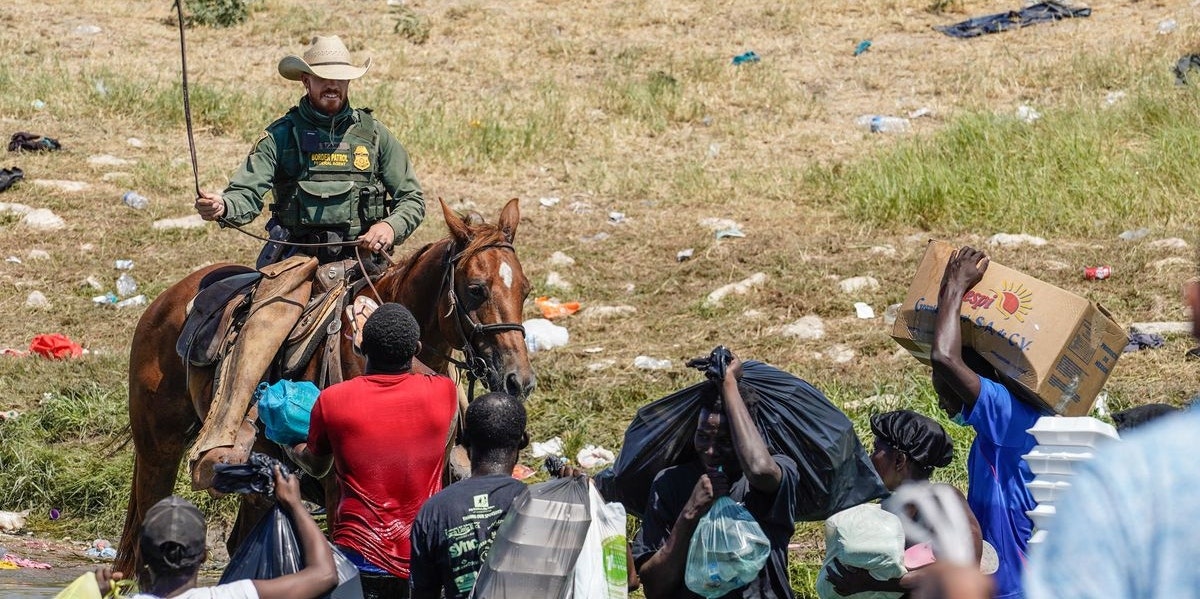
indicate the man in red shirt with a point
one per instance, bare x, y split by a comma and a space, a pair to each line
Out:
385, 434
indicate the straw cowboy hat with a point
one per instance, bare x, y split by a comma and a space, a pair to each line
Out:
326, 58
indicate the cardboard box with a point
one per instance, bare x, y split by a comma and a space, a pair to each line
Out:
1057, 346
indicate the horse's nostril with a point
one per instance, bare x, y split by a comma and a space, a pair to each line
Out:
514, 386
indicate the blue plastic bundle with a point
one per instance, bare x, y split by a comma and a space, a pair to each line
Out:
285, 409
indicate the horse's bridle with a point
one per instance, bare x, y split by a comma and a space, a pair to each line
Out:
475, 367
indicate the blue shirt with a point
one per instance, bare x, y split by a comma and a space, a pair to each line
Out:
1128, 525
996, 477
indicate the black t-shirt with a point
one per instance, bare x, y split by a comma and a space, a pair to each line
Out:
773, 512
454, 531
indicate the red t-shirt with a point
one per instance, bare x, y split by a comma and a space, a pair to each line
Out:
387, 434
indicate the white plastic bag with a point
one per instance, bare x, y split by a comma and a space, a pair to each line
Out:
727, 551
601, 572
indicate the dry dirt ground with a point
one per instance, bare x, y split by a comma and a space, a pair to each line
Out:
735, 143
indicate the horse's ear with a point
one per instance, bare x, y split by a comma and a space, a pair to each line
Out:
510, 217
458, 227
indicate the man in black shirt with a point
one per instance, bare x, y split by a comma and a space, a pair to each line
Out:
735, 461
454, 529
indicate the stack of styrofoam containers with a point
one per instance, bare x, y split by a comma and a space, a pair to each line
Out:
1064, 444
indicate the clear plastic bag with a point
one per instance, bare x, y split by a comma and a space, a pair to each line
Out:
601, 571
727, 551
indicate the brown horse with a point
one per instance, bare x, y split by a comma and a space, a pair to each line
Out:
466, 291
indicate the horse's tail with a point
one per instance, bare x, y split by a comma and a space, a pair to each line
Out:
128, 557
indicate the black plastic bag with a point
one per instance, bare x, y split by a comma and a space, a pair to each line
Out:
272, 550
257, 475
538, 543
794, 418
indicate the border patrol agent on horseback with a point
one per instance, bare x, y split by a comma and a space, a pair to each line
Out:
339, 180
336, 173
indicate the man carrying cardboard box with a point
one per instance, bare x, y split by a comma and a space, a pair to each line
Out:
972, 394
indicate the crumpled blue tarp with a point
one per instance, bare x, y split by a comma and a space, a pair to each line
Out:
1013, 19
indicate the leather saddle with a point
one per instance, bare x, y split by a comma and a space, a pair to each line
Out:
210, 313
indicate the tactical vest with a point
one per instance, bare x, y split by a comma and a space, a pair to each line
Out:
327, 184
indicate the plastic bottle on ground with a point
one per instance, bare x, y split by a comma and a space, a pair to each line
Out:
126, 286
878, 123
135, 200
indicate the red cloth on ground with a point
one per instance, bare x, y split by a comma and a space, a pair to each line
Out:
387, 434
55, 346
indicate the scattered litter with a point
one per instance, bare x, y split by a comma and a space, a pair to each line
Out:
191, 221
13, 260
1026, 113
594, 456
579, 207
839, 354
1185, 65
601, 236
717, 224
13, 352
878, 123
1140, 341
1166, 26
522, 472
68, 186
864, 310
36, 299
752, 314
1134, 234
746, 58
135, 142
1101, 405
101, 548
1172, 262
684, 255
106, 299
552, 307
856, 284
123, 264
87, 247
15, 208
39, 255
137, 300
9, 176
555, 280
560, 259
55, 346
86, 30
551, 446
1183, 327
37, 104
12, 521
1011, 239
921, 112
549, 202
1170, 243
1111, 98
54, 513
740, 288
32, 142
616, 218
601, 365
890, 314
1097, 273
648, 363
21, 562
126, 285
881, 402
43, 219
807, 328
862, 46
605, 312
629, 287
11, 414
730, 232
714, 150
1030, 15
108, 160
135, 200
542, 335
593, 350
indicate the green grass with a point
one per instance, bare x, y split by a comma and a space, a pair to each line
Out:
1078, 170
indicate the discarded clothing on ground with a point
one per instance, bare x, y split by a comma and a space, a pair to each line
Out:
793, 417
257, 475
1186, 64
1013, 19
32, 142
1140, 341
8, 176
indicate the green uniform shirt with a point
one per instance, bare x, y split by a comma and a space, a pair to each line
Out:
265, 169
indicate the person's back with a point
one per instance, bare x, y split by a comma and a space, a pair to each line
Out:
1127, 526
455, 528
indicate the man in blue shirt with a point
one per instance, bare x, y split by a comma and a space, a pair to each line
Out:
970, 391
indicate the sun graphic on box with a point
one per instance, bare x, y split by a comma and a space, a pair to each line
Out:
1015, 301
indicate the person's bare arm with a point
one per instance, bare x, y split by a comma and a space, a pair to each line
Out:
316, 465
963, 271
760, 468
662, 574
319, 574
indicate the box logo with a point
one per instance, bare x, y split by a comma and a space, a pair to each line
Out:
1015, 301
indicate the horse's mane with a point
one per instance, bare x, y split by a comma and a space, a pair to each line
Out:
482, 236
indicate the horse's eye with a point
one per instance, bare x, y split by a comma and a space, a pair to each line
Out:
478, 292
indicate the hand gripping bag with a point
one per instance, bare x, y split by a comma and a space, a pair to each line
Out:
727, 551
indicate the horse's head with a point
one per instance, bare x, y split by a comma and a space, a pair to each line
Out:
483, 308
